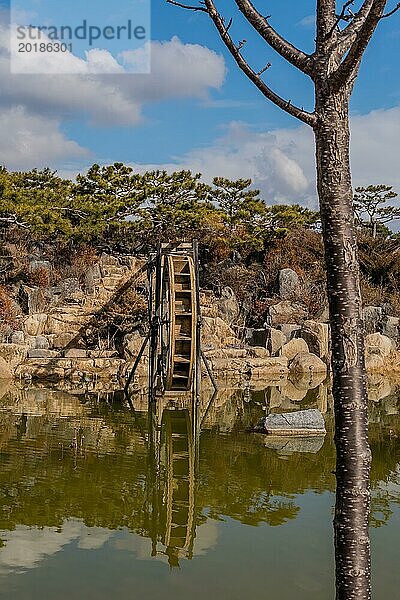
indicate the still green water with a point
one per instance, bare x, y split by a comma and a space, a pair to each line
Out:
89, 508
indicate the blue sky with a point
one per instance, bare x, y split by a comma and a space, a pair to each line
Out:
196, 110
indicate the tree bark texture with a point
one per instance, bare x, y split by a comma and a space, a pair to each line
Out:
352, 549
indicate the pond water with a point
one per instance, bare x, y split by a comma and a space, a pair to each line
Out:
98, 500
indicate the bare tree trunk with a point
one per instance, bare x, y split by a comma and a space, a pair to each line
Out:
349, 385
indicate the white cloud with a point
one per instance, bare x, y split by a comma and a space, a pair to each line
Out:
178, 70
32, 107
28, 138
281, 162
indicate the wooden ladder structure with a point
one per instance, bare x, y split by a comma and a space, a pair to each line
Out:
174, 317
178, 334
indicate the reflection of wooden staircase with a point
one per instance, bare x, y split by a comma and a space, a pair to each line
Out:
179, 489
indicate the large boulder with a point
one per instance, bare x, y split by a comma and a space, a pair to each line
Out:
275, 340
18, 337
380, 345
379, 352
288, 284
289, 330
379, 388
41, 342
61, 340
286, 312
306, 362
301, 422
295, 346
35, 324
234, 352
66, 320
317, 337
228, 306
374, 362
256, 352
216, 333
391, 327
268, 368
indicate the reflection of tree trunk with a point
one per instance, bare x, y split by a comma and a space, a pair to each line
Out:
349, 388
352, 549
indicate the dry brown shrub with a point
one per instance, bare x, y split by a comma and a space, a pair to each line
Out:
8, 313
39, 277
14, 260
300, 250
372, 295
75, 265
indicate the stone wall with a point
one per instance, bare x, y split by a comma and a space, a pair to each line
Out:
52, 340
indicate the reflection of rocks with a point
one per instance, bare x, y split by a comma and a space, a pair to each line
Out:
390, 405
283, 445
289, 390
76, 369
41, 402
269, 367
306, 381
378, 388
5, 369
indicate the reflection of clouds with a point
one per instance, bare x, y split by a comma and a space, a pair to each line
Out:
206, 537
26, 547
140, 546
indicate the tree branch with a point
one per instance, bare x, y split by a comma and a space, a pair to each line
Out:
13, 220
187, 6
347, 36
391, 12
302, 115
352, 61
296, 57
341, 17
